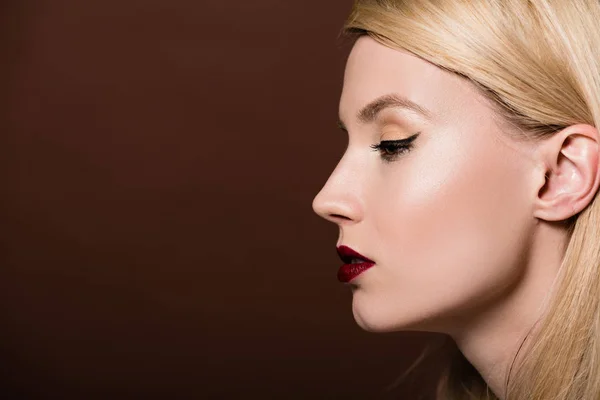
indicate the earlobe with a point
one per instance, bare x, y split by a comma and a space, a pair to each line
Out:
570, 171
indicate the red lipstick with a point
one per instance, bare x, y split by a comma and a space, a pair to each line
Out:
354, 264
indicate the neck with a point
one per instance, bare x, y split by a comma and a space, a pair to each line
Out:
491, 339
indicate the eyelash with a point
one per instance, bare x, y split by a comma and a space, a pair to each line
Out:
390, 150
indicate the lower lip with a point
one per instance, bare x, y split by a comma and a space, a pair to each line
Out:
347, 272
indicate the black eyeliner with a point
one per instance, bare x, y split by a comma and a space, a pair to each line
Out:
392, 149
397, 142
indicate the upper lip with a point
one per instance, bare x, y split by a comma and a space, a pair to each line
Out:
347, 254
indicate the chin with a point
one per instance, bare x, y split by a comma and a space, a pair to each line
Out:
369, 326
377, 321
384, 326
373, 318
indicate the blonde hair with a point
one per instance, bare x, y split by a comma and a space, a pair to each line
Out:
539, 63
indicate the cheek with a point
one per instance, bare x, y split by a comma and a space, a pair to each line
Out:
451, 223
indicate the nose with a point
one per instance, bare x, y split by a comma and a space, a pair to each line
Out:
339, 201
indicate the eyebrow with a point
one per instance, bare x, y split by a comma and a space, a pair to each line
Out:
369, 112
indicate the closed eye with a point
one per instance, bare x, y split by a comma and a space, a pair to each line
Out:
390, 150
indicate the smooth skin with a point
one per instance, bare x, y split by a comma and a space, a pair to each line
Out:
466, 227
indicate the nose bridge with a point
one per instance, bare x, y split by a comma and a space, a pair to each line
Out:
340, 198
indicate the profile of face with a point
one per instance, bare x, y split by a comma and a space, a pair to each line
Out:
443, 206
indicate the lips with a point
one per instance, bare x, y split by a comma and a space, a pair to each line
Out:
354, 264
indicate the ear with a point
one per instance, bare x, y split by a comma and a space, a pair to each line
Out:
569, 162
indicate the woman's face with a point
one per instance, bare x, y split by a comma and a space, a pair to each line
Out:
447, 222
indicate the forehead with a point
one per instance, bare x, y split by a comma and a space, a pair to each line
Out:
373, 70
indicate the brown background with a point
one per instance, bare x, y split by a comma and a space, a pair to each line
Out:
159, 160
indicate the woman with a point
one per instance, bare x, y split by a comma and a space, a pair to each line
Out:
466, 198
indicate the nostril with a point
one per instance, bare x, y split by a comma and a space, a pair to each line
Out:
339, 217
